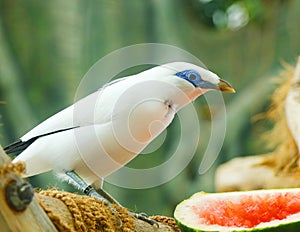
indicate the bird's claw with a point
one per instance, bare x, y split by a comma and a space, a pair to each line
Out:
105, 198
106, 203
144, 217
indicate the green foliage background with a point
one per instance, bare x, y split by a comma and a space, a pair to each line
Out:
47, 46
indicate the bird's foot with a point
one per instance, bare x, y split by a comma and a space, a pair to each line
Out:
110, 200
141, 216
103, 196
89, 190
144, 217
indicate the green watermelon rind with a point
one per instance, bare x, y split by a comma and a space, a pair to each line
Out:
291, 226
288, 227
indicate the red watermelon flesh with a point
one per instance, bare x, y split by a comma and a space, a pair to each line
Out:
248, 211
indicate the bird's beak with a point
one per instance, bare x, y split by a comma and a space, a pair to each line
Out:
225, 86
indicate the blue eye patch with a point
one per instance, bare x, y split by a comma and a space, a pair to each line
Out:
195, 79
191, 76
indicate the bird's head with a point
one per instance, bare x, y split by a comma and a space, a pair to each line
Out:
194, 80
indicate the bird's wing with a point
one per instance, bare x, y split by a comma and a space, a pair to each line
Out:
78, 115
19, 145
87, 111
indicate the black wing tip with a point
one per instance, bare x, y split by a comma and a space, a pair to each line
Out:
17, 146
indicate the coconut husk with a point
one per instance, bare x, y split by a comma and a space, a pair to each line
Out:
280, 168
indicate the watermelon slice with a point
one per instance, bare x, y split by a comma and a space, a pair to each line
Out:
269, 210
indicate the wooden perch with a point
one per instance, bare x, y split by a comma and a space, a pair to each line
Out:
280, 168
33, 218
52, 210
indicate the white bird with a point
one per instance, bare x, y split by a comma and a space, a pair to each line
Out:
105, 130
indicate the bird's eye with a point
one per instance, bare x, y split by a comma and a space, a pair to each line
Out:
192, 77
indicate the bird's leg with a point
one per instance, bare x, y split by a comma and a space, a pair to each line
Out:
141, 216
144, 217
88, 189
105, 197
